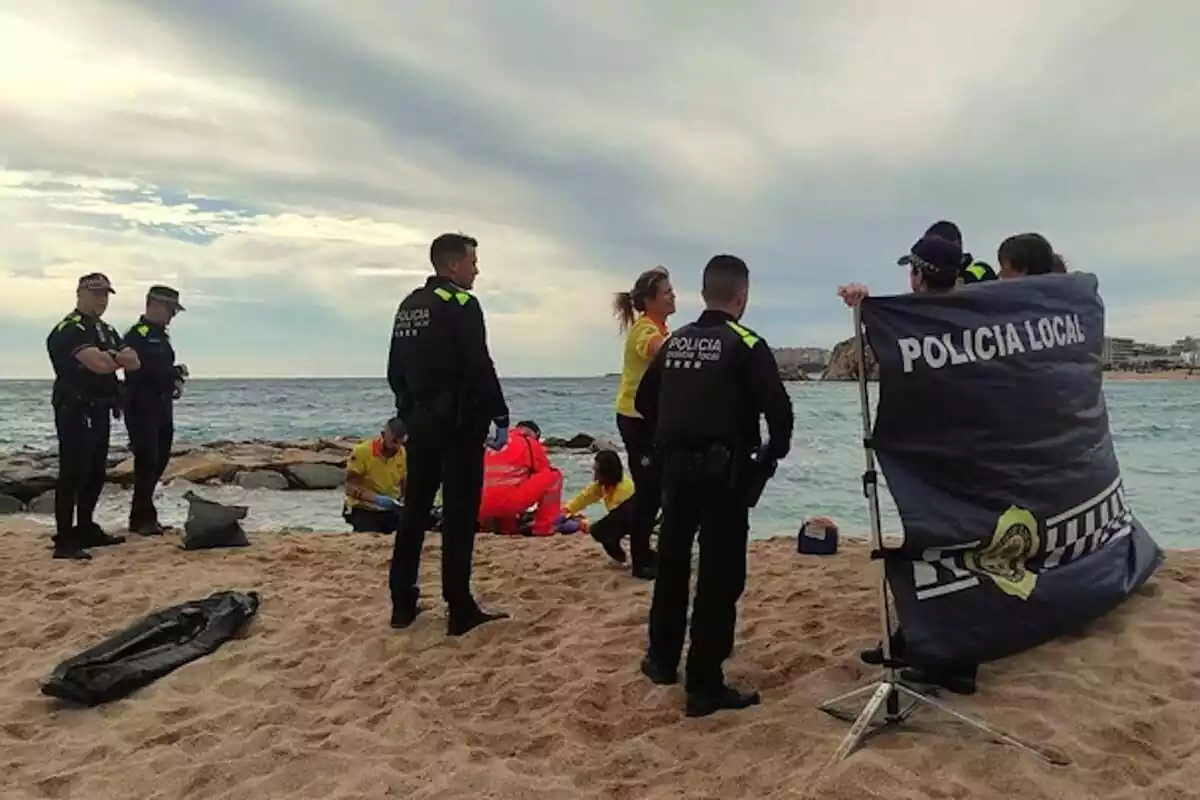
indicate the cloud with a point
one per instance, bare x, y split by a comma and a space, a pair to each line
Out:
285, 164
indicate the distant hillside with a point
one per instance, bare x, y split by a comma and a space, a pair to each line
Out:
797, 363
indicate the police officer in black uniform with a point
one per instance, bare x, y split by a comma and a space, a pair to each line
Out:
447, 392
704, 393
86, 354
150, 397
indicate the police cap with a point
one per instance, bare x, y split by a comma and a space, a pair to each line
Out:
933, 254
166, 295
95, 282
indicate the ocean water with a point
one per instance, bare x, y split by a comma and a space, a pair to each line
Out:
1155, 424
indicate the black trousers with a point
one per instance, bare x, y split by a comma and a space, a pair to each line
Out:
454, 462
83, 433
151, 430
371, 520
718, 513
616, 524
646, 471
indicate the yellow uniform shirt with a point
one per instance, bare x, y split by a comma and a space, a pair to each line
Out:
637, 359
381, 474
594, 491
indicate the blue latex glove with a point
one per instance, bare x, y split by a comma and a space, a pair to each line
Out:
500, 438
385, 502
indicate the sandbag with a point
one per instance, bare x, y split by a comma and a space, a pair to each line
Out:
210, 524
155, 646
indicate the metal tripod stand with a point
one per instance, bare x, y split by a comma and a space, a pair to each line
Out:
890, 692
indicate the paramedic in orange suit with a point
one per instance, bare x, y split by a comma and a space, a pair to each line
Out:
516, 477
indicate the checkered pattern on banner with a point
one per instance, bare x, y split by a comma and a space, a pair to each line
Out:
1069, 536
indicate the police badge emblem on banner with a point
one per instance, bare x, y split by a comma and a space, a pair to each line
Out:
992, 435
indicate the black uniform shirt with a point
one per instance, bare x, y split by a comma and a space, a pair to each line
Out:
72, 380
155, 379
710, 382
439, 350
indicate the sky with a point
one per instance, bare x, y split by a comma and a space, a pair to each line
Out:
285, 163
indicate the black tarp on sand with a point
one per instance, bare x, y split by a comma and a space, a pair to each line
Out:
155, 646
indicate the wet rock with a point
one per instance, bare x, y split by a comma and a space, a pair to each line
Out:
580, 441
43, 503
843, 363
603, 444
317, 476
27, 474
10, 505
261, 479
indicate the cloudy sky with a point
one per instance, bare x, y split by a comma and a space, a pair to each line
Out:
285, 163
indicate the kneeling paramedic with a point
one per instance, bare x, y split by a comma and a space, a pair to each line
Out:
517, 477
447, 393
704, 393
375, 481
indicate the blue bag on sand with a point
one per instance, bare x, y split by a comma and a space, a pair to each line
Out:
818, 537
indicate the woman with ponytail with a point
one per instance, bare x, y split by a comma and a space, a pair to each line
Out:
642, 316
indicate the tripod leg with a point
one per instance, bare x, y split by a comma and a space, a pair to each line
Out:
870, 687
980, 725
860, 727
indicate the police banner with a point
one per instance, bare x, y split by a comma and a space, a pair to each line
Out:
992, 435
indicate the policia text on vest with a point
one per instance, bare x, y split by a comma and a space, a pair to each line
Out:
704, 393
448, 395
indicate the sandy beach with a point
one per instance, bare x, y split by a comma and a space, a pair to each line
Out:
320, 699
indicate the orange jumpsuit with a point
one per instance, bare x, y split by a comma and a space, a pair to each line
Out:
515, 478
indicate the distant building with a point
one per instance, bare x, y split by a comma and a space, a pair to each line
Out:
1125, 353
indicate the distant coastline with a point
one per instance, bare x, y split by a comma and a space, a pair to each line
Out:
1155, 375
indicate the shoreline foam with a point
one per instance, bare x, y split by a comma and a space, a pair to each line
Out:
321, 699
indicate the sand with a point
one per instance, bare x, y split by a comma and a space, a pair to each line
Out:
320, 699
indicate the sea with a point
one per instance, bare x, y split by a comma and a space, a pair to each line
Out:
1155, 427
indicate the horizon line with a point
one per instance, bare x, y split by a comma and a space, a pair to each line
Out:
383, 378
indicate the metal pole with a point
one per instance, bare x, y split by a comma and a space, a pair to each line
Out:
888, 690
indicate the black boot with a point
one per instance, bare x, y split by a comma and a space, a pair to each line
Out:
701, 704
92, 535
71, 551
404, 616
464, 622
958, 682
658, 675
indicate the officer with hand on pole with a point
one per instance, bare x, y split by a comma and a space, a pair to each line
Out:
86, 355
149, 404
704, 393
448, 395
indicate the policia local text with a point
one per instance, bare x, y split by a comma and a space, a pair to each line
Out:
990, 341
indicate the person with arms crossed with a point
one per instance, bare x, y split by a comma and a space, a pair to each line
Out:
642, 312
704, 393
86, 355
375, 481
150, 394
448, 394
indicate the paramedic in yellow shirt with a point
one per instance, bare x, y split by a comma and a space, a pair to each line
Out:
642, 312
375, 475
611, 485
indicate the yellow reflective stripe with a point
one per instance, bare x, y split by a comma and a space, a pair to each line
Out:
462, 297
143, 329
977, 270
749, 338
